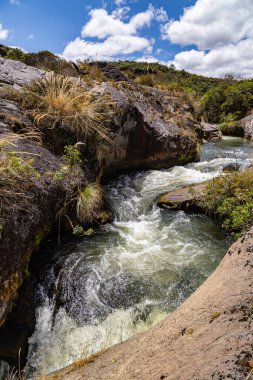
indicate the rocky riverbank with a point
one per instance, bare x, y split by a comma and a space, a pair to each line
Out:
208, 337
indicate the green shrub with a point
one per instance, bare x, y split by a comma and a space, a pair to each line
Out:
228, 102
211, 104
231, 129
48, 61
238, 99
16, 54
72, 154
231, 199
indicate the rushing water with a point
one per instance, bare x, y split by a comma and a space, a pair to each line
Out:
130, 274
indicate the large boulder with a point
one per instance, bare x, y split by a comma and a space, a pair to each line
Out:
208, 337
151, 128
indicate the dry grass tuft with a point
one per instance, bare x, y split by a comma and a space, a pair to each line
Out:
62, 102
10, 93
89, 202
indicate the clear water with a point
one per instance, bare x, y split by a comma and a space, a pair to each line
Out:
130, 274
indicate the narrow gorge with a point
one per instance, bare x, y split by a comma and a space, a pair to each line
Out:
130, 290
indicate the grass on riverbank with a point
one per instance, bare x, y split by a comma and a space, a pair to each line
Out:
57, 101
231, 199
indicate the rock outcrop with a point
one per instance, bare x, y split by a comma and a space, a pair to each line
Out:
209, 132
208, 337
33, 207
247, 124
17, 74
151, 129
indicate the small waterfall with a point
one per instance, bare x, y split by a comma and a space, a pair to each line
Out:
130, 274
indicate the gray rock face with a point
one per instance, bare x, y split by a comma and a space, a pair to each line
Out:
210, 132
247, 125
17, 74
151, 129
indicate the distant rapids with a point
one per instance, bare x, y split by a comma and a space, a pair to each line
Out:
130, 274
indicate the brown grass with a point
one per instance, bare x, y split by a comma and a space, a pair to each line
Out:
89, 202
59, 101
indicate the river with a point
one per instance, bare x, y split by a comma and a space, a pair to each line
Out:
130, 274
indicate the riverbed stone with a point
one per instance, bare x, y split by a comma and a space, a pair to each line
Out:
185, 198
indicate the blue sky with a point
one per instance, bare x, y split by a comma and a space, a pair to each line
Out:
203, 36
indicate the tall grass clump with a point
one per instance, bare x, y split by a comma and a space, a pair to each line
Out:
57, 101
89, 202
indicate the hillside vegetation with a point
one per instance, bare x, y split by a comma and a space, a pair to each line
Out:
216, 100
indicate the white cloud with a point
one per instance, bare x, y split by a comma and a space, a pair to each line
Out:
4, 33
113, 46
209, 24
114, 36
148, 59
237, 59
119, 2
102, 25
121, 13
161, 15
30, 36
223, 33
15, 2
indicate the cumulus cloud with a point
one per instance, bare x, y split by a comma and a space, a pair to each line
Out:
114, 36
4, 33
102, 24
111, 47
209, 24
148, 59
222, 32
237, 59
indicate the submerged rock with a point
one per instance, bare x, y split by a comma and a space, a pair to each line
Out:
230, 168
185, 198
